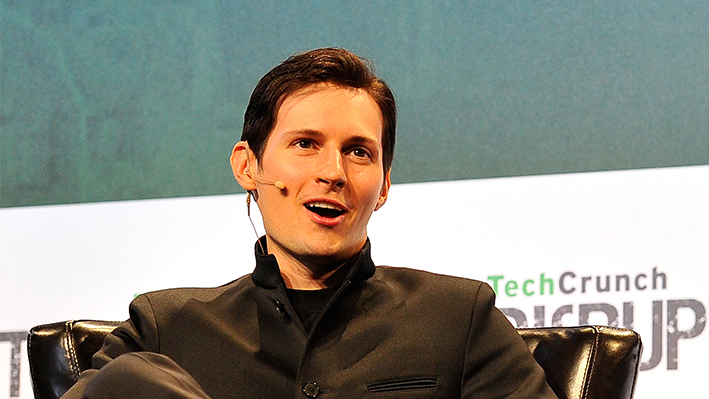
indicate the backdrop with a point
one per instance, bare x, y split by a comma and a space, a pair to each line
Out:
112, 100
549, 148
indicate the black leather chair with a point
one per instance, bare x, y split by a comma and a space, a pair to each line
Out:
588, 362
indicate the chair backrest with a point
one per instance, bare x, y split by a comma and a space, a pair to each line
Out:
588, 362
59, 352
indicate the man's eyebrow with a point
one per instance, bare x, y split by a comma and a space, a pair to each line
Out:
356, 139
363, 140
304, 132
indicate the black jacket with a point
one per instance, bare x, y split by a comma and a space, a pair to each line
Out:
387, 332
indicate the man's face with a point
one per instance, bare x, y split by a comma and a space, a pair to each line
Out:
326, 146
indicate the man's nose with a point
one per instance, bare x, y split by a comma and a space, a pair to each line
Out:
331, 169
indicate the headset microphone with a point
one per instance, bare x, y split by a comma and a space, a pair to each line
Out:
278, 184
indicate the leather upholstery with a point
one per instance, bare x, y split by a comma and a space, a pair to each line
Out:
588, 362
58, 352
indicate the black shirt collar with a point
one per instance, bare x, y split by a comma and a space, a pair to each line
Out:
268, 275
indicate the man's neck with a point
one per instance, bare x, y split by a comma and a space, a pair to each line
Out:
302, 274
302, 278
308, 274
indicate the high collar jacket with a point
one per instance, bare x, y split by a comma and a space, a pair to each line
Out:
387, 332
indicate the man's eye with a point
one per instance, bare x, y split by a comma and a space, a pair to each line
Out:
360, 153
304, 144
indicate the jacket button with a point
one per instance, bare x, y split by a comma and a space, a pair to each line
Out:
311, 390
280, 308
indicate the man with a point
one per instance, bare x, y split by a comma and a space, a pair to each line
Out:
316, 318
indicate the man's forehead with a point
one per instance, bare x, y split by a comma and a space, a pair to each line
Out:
316, 88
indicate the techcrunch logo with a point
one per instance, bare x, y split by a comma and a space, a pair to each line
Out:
570, 282
666, 316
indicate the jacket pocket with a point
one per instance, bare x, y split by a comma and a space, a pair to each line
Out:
403, 385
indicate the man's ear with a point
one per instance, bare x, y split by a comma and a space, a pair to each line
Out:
385, 191
242, 160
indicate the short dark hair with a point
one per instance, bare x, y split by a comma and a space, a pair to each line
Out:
327, 65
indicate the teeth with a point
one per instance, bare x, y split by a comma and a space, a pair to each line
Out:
322, 204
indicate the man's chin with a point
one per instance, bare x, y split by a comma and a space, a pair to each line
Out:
322, 253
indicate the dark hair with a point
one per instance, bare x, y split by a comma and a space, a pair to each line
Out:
327, 65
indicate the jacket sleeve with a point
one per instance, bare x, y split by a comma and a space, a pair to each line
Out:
498, 363
138, 333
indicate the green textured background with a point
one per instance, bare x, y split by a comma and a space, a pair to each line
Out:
114, 100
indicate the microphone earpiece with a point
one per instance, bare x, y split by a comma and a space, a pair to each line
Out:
278, 184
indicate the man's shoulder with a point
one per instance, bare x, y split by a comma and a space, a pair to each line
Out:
178, 296
434, 283
417, 274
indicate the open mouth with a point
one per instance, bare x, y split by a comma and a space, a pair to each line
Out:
325, 209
